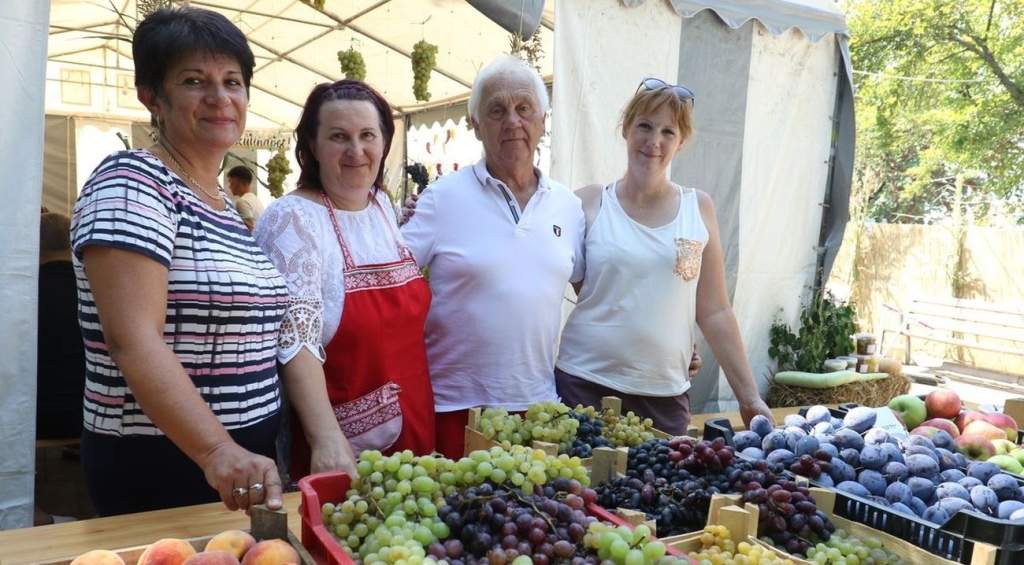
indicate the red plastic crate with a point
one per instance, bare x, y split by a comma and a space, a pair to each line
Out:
317, 489
331, 487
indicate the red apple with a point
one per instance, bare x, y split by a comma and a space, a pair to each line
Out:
975, 446
966, 417
942, 403
1003, 422
985, 430
943, 424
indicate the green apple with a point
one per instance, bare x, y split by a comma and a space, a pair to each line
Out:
910, 409
1018, 454
1004, 446
1007, 463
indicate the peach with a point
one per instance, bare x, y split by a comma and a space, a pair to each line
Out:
1003, 422
985, 430
271, 552
98, 557
943, 424
168, 551
216, 557
235, 542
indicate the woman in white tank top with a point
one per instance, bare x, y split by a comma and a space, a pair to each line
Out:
654, 274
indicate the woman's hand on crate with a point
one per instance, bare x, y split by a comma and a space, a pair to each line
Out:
242, 478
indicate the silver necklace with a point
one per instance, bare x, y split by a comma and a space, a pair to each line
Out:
217, 195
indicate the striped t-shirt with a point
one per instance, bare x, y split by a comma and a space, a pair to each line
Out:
225, 300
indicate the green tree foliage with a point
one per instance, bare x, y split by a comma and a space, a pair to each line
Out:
940, 93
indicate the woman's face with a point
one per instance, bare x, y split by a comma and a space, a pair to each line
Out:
349, 144
203, 103
653, 139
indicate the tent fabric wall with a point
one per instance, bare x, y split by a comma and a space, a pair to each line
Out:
790, 103
23, 34
601, 54
837, 212
764, 117
713, 159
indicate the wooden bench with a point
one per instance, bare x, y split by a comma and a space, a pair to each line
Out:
975, 324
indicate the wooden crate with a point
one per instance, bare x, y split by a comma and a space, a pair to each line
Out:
475, 440
265, 524
742, 521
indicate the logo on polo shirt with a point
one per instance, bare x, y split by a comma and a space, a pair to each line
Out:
557, 230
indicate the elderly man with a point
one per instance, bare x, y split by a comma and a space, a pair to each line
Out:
502, 240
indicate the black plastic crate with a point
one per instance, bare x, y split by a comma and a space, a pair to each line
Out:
954, 540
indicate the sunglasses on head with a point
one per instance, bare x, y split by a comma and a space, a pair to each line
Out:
682, 93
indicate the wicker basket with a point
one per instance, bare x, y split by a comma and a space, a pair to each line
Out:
869, 393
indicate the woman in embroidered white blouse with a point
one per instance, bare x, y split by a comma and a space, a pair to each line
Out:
353, 333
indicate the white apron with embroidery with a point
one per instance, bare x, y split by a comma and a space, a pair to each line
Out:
633, 326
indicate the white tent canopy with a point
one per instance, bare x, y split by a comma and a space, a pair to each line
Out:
295, 47
91, 99
773, 105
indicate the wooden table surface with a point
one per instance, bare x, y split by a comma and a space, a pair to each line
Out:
697, 420
27, 545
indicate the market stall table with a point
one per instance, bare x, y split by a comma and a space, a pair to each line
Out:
43, 543
697, 420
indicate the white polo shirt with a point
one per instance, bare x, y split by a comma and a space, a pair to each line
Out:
497, 274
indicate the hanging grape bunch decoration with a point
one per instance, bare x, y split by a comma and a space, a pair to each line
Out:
277, 170
424, 58
352, 64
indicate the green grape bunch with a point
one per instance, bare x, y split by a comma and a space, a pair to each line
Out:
627, 430
506, 429
424, 60
390, 513
352, 64
277, 170
623, 546
545, 421
550, 422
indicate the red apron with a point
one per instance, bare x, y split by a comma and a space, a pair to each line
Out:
379, 340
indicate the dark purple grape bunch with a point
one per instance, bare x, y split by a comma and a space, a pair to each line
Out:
495, 525
812, 466
788, 515
589, 434
701, 456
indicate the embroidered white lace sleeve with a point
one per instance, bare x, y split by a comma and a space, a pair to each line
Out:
288, 237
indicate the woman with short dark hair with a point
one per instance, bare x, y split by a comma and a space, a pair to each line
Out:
359, 302
179, 308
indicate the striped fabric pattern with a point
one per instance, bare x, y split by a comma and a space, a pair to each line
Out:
225, 299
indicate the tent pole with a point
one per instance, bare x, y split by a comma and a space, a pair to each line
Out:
405, 158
